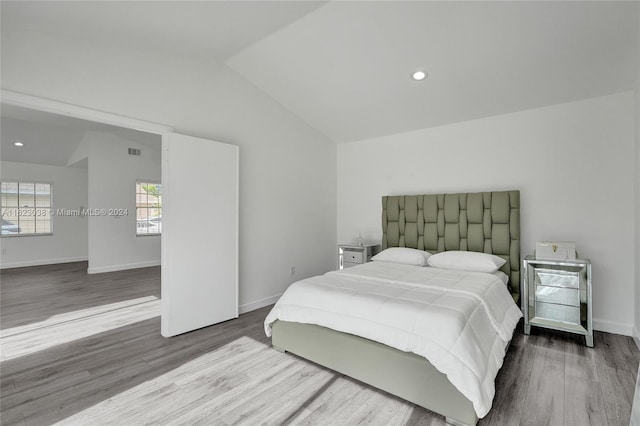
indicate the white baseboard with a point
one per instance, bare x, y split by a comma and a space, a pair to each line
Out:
252, 306
613, 327
123, 267
41, 262
636, 338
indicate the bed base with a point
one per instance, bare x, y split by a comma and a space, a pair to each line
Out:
406, 375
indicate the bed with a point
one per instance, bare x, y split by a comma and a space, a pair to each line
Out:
487, 222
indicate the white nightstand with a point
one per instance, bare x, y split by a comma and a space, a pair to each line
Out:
352, 255
557, 295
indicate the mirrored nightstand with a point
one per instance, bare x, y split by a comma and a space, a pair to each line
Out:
557, 295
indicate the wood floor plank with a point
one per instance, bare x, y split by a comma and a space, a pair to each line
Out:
326, 401
289, 395
583, 406
227, 402
365, 413
512, 382
387, 411
617, 352
617, 361
616, 387
109, 365
544, 402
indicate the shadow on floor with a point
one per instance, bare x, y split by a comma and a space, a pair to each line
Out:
53, 384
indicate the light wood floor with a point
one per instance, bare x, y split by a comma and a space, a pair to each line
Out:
87, 350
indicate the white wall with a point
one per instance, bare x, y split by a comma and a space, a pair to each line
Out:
113, 244
636, 333
69, 240
287, 169
573, 164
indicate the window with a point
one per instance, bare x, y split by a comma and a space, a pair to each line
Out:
26, 208
148, 208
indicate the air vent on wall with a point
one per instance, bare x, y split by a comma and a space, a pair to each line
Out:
134, 151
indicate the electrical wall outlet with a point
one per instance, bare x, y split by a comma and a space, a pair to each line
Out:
293, 270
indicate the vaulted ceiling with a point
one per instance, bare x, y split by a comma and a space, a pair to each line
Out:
344, 67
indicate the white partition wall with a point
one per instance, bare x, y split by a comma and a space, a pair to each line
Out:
200, 233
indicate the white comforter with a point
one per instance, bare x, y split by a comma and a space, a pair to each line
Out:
460, 321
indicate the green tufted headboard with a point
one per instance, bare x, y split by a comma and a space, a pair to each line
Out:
487, 222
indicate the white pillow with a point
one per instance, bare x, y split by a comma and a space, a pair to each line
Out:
407, 256
502, 276
467, 261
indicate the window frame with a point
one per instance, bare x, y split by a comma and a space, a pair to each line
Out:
141, 181
51, 208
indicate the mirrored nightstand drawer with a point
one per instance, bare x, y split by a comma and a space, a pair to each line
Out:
557, 278
565, 296
563, 313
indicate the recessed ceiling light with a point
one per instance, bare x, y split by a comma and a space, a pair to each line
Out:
18, 144
419, 75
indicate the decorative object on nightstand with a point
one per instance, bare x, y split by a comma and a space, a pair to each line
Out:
556, 250
352, 255
557, 295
